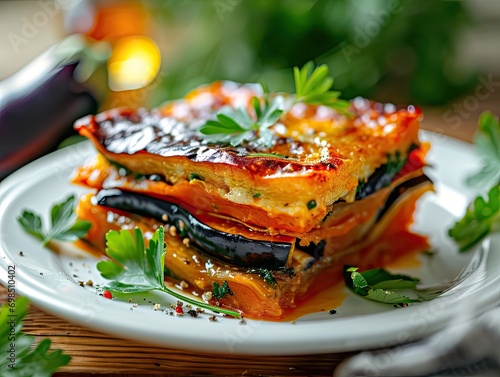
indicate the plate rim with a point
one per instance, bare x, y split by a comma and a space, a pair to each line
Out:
40, 296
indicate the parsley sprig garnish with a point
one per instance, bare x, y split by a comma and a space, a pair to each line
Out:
487, 141
220, 291
39, 361
481, 218
483, 215
382, 286
234, 126
312, 85
135, 268
65, 225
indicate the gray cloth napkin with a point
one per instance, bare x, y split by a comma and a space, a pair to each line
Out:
470, 348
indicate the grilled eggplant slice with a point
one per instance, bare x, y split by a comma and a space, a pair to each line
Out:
231, 248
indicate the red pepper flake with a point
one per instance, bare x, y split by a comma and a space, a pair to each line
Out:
107, 294
178, 310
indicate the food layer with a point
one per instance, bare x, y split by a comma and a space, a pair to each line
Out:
277, 224
318, 156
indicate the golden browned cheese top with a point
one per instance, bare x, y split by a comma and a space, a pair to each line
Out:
317, 153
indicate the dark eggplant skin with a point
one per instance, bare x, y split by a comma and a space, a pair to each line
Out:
378, 180
35, 118
400, 190
233, 249
316, 250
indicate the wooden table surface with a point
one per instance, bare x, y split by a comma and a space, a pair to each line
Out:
95, 353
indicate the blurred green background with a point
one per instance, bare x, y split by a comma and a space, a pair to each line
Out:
428, 52
400, 51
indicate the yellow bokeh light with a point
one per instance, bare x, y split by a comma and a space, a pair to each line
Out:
134, 63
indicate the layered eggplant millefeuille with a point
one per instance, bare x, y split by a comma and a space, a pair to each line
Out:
277, 222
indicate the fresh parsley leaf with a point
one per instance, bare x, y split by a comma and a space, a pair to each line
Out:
388, 297
481, 218
65, 225
31, 223
382, 286
194, 176
268, 278
40, 362
312, 85
267, 275
381, 278
487, 141
220, 291
135, 268
234, 126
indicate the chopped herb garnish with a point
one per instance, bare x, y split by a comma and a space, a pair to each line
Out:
193, 176
311, 204
268, 277
65, 225
25, 360
256, 195
481, 218
382, 286
135, 268
220, 291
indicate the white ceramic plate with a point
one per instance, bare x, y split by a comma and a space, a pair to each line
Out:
50, 279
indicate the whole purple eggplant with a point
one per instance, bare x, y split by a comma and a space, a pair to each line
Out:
39, 104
